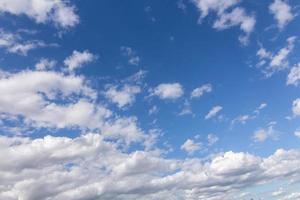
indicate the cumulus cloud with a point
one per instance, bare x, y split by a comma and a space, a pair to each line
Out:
168, 91
13, 43
297, 133
227, 18
87, 166
213, 112
78, 59
199, 91
190, 146
59, 12
262, 134
282, 12
274, 62
45, 64
55, 100
123, 96
296, 107
294, 75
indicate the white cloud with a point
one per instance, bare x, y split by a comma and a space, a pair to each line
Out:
225, 18
241, 119
263, 134
260, 107
186, 109
296, 107
294, 75
279, 60
59, 12
190, 146
292, 196
153, 110
274, 62
54, 100
124, 96
212, 139
168, 91
198, 92
13, 43
278, 192
45, 64
133, 59
297, 133
213, 112
78, 59
282, 12
87, 166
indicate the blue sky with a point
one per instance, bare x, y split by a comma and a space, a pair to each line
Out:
161, 99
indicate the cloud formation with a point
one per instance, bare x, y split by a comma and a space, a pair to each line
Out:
78, 59
282, 12
59, 12
168, 91
87, 167
228, 15
213, 112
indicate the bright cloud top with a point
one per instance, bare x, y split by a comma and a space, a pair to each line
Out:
61, 13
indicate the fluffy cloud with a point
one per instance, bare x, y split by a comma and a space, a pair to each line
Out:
297, 133
296, 107
78, 59
124, 96
294, 75
190, 146
225, 18
263, 134
87, 167
59, 12
14, 43
275, 62
213, 112
55, 100
168, 91
198, 92
282, 12
45, 64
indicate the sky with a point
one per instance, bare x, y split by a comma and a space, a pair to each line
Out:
152, 100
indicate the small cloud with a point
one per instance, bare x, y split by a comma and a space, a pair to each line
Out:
293, 77
78, 59
190, 146
169, 91
198, 92
297, 133
282, 12
213, 112
275, 62
153, 110
123, 96
262, 134
45, 64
